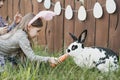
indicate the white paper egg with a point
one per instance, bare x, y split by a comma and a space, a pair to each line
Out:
39, 1
47, 4
68, 12
97, 10
110, 6
82, 13
57, 8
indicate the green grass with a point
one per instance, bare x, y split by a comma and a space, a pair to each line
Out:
67, 70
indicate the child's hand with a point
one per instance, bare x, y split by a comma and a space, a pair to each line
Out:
17, 18
59, 60
53, 60
3, 30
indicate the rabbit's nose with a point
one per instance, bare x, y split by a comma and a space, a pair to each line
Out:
68, 50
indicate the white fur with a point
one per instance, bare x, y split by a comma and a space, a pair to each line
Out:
85, 57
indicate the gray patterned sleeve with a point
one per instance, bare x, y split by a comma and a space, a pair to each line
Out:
26, 48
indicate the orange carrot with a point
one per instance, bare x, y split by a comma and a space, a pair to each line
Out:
63, 57
60, 59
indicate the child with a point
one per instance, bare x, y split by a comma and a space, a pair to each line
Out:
20, 40
4, 28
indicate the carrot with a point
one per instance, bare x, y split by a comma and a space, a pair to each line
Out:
63, 57
60, 59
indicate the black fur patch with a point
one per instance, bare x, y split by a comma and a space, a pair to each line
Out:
83, 46
100, 62
109, 52
74, 47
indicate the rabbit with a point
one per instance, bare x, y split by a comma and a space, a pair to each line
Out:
103, 59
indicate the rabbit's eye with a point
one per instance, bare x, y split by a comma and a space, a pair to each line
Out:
74, 47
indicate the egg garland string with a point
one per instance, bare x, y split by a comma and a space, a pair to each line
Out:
82, 12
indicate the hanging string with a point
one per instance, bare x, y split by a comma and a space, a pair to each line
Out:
76, 10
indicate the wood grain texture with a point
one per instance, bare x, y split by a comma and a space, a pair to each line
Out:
102, 28
68, 25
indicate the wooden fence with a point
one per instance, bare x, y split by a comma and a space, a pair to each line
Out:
104, 32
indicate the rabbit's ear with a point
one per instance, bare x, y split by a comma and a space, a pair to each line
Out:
82, 36
73, 37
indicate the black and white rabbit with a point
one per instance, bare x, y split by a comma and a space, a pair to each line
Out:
92, 57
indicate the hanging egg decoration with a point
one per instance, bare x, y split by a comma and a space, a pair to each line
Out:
39, 1
110, 6
57, 8
97, 10
47, 4
82, 13
68, 12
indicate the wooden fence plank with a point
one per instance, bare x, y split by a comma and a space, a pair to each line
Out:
35, 6
112, 24
50, 33
116, 44
10, 10
102, 28
16, 7
4, 9
50, 36
46, 35
28, 6
79, 26
22, 7
68, 25
42, 37
114, 38
58, 30
90, 23
118, 5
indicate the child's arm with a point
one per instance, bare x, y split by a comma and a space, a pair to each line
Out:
26, 48
4, 28
17, 19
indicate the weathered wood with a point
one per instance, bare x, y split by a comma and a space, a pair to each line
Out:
112, 35
3, 10
68, 25
79, 26
46, 35
58, 30
16, 7
23, 8
35, 6
102, 28
116, 40
90, 23
10, 10
28, 6
42, 37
